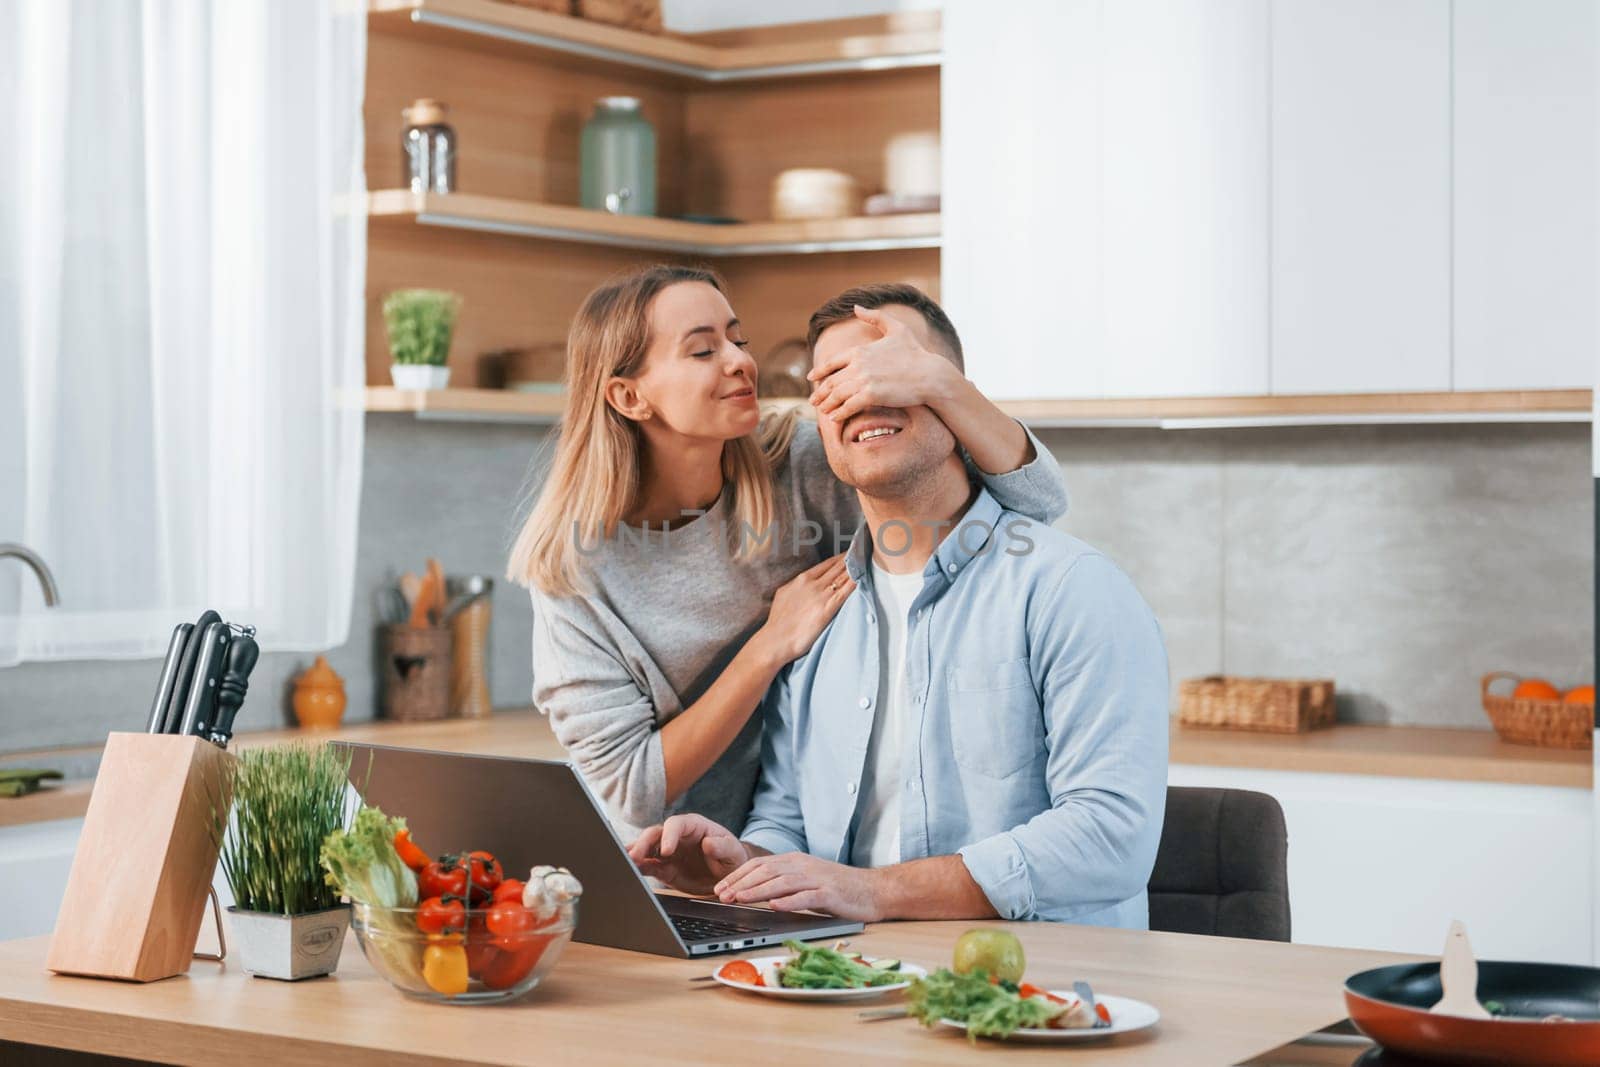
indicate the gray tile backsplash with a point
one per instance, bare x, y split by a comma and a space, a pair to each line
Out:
1403, 561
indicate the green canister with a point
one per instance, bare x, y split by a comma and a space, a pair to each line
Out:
618, 158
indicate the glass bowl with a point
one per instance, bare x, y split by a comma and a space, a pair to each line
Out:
498, 967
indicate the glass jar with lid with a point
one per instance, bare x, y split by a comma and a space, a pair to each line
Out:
428, 148
618, 158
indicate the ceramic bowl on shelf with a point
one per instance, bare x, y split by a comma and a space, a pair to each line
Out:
814, 193
476, 966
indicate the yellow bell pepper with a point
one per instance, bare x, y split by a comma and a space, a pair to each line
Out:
444, 967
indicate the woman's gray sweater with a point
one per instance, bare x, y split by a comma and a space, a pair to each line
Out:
664, 615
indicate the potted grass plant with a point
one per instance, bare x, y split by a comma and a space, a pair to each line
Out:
419, 323
287, 922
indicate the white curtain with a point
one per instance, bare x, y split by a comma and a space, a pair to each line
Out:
182, 263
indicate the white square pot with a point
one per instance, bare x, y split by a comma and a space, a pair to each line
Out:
289, 947
419, 376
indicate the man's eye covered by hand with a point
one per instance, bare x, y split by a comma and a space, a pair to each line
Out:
894, 371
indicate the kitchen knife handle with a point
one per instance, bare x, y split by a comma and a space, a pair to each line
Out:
180, 689
203, 685
169, 677
242, 656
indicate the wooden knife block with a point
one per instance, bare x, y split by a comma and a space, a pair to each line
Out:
143, 868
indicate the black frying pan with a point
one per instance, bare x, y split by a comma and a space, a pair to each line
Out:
1390, 1005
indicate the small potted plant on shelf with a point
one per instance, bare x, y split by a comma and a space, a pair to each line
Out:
286, 921
420, 322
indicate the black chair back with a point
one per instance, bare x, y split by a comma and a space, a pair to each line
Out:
1223, 865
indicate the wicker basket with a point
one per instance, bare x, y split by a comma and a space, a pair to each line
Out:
1269, 705
1546, 723
416, 673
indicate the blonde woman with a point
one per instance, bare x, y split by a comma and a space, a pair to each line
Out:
683, 550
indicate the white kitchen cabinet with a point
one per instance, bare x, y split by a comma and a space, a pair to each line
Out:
1184, 157
1525, 127
1386, 863
1241, 197
35, 859
1360, 196
1105, 196
1020, 266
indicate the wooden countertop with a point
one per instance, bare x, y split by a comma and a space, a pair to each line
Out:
1221, 1001
1390, 751
514, 732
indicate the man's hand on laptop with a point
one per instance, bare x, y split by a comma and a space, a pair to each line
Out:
690, 853
797, 881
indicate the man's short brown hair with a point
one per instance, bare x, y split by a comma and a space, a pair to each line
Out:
842, 309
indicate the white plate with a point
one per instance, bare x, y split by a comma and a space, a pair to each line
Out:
768, 966
1127, 1015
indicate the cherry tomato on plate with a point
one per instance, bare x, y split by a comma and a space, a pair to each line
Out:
742, 971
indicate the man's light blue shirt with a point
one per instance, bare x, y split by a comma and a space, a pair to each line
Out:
1036, 739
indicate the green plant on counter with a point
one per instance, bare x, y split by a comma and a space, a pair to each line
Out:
419, 322
287, 799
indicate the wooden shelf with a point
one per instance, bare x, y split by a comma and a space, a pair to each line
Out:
1336, 409
906, 40
556, 223
1564, 405
476, 405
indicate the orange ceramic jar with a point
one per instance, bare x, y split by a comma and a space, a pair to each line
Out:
319, 697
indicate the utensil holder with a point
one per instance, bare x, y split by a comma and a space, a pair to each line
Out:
416, 673
469, 672
142, 872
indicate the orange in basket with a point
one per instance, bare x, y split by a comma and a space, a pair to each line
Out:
1535, 689
1583, 694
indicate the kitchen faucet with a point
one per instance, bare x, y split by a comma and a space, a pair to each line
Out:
31, 558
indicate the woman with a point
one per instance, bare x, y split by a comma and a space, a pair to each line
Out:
672, 566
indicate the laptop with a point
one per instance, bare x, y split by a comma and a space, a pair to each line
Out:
533, 811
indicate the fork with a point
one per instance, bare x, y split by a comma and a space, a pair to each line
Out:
877, 1015
1086, 994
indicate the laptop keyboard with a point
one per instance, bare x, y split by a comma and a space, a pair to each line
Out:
693, 929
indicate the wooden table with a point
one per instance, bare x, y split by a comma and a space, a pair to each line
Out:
1221, 1000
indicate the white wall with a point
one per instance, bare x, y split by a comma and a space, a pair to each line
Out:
701, 16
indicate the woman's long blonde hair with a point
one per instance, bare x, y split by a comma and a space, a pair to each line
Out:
594, 478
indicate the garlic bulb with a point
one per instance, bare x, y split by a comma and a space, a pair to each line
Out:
551, 890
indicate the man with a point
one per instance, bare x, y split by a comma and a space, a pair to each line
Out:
982, 730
